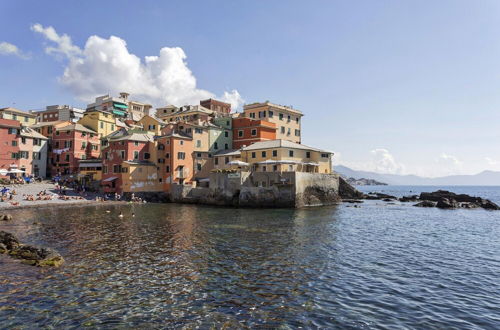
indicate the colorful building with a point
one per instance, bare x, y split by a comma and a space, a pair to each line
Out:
286, 119
128, 163
24, 118
33, 150
59, 113
47, 128
151, 124
69, 145
216, 106
247, 131
279, 156
9, 144
175, 159
102, 122
187, 113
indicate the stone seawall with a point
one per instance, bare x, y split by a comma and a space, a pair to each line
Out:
262, 189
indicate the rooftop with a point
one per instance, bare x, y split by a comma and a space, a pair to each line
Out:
273, 105
279, 143
76, 127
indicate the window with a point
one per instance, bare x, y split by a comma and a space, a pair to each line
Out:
84, 156
275, 153
281, 116
12, 131
181, 155
105, 170
198, 155
254, 132
198, 167
112, 127
226, 146
289, 131
68, 132
102, 124
84, 134
14, 143
198, 143
161, 147
197, 130
297, 132
324, 155
240, 133
181, 142
23, 140
226, 134
216, 146
122, 154
216, 160
290, 153
263, 154
49, 130
147, 155
271, 114
282, 129
84, 145
167, 155
264, 168
275, 168
167, 169
57, 144
227, 123
252, 115
136, 143
13, 155
67, 157
289, 118
14, 117
297, 120
117, 168
308, 154
136, 155
161, 161
226, 160
36, 155
57, 132
253, 155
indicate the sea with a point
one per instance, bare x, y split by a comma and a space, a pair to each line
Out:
373, 265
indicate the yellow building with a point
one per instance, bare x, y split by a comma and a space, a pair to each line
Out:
102, 122
25, 118
278, 156
151, 125
90, 169
140, 176
287, 119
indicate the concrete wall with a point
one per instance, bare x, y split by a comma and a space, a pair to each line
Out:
263, 189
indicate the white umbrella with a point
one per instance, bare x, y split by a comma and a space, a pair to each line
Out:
237, 163
3, 171
16, 171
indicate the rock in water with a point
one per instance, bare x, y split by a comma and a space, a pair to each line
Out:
3, 249
9, 240
425, 204
38, 256
446, 203
346, 191
446, 199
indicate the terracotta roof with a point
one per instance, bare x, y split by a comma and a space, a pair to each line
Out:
76, 127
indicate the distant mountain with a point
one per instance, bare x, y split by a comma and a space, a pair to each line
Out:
485, 178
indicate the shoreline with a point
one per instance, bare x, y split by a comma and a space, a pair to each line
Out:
62, 204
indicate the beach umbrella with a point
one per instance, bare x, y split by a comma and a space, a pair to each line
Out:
16, 171
3, 171
268, 161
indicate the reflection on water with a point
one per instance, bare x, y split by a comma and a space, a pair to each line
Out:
188, 266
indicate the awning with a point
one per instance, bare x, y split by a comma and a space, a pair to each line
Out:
118, 113
120, 106
90, 165
110, 179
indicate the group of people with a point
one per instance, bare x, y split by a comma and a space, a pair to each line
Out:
45, 196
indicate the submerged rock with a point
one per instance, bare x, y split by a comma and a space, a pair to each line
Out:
9, 240
37, 256
412, 198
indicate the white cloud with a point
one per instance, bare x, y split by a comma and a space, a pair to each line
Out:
106, 66
384, 162
63, 42
448, 165
7, 48
491, 161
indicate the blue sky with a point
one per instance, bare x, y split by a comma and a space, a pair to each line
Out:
391, 86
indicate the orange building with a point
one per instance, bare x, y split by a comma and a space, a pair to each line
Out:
175, 157
247, 131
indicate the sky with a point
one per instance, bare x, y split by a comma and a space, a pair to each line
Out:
402, 87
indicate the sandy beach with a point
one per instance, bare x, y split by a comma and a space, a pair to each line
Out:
35, 188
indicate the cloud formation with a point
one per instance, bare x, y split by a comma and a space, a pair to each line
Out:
449, 164
106, 66
7, 48
384, 162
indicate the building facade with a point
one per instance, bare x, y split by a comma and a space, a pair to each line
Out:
24, 118
59, 113
216, 106
286, 119
33, 150
9, 146
247, 131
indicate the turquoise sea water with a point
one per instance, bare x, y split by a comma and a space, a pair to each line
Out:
377, 266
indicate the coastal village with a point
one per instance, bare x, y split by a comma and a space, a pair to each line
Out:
119, 146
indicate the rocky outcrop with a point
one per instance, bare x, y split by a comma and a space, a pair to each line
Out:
412, 198
5, 217
32, 255
346, 191
425, 204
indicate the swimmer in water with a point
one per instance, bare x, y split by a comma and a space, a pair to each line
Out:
120, 215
